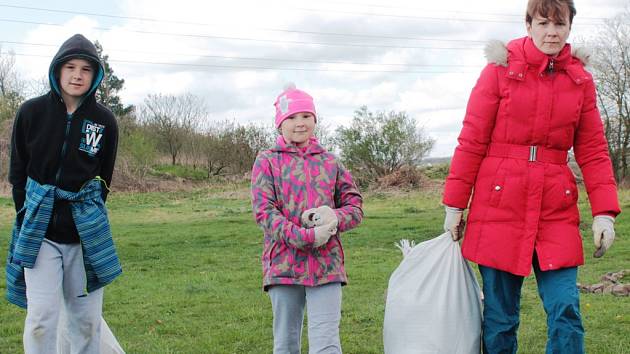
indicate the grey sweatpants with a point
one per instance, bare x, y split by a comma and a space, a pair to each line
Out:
57, 282
323, 304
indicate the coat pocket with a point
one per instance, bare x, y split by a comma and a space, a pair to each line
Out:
342, 261
282, 260
270, 252
569, 191
497, 189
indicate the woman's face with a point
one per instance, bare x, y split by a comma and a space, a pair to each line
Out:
549, 35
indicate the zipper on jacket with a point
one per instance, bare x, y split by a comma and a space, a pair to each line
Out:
55, 217
550, 66
310, 257
64, 147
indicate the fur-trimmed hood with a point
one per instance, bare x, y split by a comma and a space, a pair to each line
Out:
496, 52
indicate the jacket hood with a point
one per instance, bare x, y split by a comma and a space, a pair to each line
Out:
497, 51
312, 148
80, 47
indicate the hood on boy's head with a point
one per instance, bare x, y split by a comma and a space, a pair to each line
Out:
76, 47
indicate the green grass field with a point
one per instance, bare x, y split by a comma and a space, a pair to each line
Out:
192, 275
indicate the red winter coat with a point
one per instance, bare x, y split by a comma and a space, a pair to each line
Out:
520, 206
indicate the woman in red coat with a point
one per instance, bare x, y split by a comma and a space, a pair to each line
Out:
533, 102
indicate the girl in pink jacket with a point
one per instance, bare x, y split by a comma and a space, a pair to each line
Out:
303, 199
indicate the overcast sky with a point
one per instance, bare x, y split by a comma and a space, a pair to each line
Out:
413, 56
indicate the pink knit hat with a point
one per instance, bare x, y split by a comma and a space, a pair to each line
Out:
292, 101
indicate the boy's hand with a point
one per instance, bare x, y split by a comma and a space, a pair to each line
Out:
322, 215
323, 233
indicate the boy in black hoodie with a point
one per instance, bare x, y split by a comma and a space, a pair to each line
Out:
63, 150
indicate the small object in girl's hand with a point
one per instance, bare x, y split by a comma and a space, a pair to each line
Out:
314, 217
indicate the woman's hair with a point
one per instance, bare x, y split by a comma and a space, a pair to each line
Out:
553, 9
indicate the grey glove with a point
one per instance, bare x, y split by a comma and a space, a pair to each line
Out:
454, 222
603, 234
322, 215
323, 233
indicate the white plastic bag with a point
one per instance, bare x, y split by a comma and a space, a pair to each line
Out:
433, 301
109, 344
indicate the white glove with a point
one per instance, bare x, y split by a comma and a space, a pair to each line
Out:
323, 233
603, 234
323, 215
454, 222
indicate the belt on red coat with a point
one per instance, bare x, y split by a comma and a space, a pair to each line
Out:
529, 153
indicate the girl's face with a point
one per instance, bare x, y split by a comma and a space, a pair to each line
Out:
298, 128
549, 35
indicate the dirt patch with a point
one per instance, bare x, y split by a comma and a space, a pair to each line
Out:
126, 183
227, 185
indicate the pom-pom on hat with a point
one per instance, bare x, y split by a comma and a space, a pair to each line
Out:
292, 101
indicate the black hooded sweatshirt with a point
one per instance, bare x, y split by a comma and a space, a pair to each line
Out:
65, 150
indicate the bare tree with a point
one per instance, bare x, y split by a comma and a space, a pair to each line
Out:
173, 119
325, 134
11, 87
232, 148
37, 87
217, 149
259, 137
611, 70
11, 96
8, 75
249, 140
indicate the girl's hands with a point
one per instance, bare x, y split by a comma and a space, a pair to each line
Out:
322, 215
323, 233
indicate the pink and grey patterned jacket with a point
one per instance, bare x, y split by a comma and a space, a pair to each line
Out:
286, 181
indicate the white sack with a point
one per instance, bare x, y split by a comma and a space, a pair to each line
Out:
433, 302
109, 344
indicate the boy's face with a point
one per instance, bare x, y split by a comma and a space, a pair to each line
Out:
75, 77
298, 128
